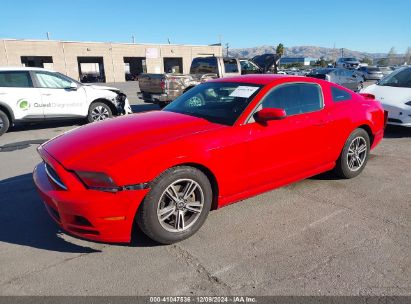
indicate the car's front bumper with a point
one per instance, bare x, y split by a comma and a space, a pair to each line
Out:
127, 107
399, 115
154, 98
95, 215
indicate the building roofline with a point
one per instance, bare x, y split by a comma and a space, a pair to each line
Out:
109, 42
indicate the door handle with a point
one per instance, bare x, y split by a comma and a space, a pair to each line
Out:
46, 94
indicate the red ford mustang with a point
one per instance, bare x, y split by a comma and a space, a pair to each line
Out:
221, 142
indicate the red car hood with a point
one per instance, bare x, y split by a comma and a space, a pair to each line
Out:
100, 144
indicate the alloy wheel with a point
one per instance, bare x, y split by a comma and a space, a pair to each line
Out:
100, 113
180, 205
1, 123
195, 101
357, 154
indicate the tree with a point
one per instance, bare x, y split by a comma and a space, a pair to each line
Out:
366, 60
321, 62
407, 57
391, 55
280, 49
383, 61
280, 52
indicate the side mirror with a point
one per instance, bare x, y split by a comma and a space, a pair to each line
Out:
73, 86
267, 114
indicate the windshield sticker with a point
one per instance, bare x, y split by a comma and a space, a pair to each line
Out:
243, 91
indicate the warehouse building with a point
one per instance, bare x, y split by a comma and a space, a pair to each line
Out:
102, 61
301, 60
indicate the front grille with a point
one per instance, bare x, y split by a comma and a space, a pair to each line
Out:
52, 174
394, 120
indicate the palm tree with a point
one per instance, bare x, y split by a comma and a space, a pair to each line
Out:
280, 52
280, 49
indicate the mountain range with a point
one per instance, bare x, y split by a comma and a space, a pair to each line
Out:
303, 51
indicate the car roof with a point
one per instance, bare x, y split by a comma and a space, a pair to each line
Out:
17, 68
262, 79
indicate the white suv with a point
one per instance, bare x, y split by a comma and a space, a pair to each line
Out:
35, 94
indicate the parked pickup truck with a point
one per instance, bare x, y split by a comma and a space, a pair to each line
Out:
164, 88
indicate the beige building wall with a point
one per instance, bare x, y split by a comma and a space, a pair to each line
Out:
65, 53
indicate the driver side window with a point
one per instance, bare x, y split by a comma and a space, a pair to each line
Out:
50, 81
295, 98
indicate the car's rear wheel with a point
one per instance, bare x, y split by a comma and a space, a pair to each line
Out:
99, 111
4, 123
354, 155
176, 206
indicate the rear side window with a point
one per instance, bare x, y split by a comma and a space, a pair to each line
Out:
204, 65
295, 98
339, 95
15, 79
230, 66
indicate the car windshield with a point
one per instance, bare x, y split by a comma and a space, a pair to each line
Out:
349, 59
374, 69
218, 102
68, 78
399, 78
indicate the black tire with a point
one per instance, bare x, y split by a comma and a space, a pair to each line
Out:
4, 123
147, 217
344, 167
99, 111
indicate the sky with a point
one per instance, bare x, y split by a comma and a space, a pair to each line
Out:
363, 25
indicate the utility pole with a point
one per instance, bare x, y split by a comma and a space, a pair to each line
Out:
342, 53
48, 35
168, 39
133, 39
227, 46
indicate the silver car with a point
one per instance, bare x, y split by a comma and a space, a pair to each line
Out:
370, 73
347, 62
385, 70
344, 77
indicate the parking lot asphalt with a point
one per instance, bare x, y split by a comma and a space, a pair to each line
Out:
320, 236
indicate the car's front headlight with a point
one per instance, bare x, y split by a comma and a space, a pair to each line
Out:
98, 181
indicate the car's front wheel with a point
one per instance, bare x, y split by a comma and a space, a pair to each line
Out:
354, 155
4, 123
176, 206
99, 111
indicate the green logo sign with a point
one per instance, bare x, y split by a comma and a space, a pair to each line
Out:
23, 104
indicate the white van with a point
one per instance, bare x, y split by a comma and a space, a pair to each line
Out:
36, 94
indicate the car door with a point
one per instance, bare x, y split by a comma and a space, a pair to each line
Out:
341, 80
18, 94
61, 96
361, 72
293, 146
351, 80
